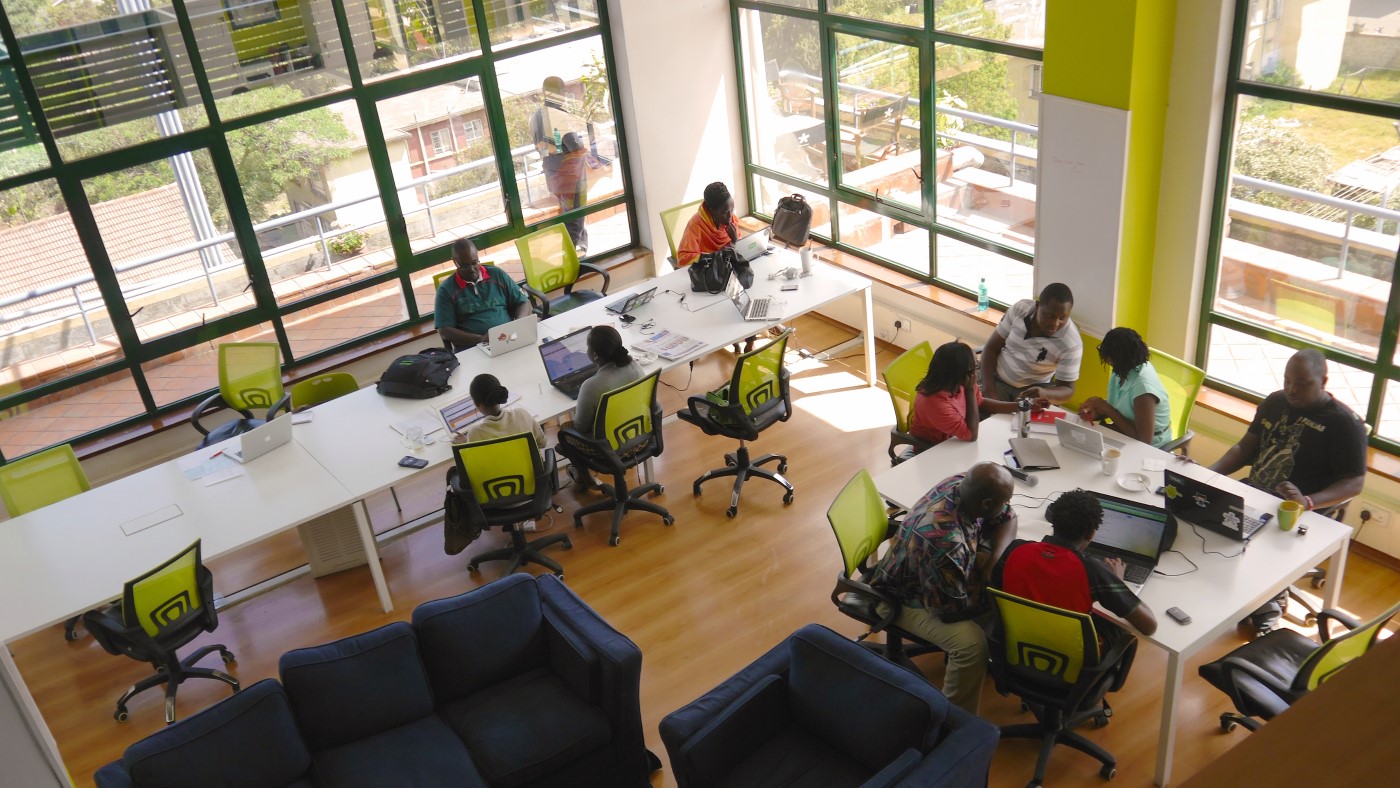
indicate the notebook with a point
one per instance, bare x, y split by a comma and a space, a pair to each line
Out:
260, 440
1033, 454
566, 361
1134, 532
1210, 507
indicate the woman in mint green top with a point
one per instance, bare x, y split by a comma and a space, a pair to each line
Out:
1137, 404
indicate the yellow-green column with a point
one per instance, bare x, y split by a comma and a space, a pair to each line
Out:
1117, 53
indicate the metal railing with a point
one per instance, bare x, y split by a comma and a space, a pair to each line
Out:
1349, 208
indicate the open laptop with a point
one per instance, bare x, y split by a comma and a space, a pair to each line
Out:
460, 414
1134, 532
1033, 454
511, 336
566, 361
260, 440
754, 309
1084, 439
625, 305
752, 246
1210, 507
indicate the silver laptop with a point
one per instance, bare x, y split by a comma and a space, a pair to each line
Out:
754, 309
1084, 439
460, 414
626, 304
260, 440
1132, 532
511, 336
752, 246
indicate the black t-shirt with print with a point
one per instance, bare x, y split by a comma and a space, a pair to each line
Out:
1311, 448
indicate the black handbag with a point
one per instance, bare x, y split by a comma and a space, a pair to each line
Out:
711, 272
792, 220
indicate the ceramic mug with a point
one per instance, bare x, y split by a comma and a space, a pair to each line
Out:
1288, 514
1110, 461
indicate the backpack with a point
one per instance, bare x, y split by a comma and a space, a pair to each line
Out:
792, 220
420, 375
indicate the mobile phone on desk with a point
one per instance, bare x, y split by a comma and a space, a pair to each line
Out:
409, 461
788, 287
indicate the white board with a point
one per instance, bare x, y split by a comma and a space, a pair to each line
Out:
1079, 204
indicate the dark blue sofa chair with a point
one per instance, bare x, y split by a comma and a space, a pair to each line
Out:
517, 684
820, 710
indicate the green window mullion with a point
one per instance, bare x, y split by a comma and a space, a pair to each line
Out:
610, 63
500, 143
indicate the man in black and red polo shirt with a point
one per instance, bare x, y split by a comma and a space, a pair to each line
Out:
1055, 571
475, 300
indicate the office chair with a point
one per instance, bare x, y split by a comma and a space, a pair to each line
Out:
1182, 382
1266, 676
857, 517
250, 376
551, 263
38, 480
160, 612
1051, 659
626, 433
756, 397
674, 220
505, 482
902, 377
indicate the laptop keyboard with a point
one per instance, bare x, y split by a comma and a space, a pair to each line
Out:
1251, 524
759, 307
1136, 573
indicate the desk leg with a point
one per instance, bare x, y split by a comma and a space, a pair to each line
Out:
372, 555
1336, 572
12, 681
867, 297
1166, 739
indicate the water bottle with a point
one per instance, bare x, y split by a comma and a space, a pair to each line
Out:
1023, 417
558, 141
982, 302
806, 255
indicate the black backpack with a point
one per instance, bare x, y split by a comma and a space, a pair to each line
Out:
418, 376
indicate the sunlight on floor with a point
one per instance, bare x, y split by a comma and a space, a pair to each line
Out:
834, 381
851, 410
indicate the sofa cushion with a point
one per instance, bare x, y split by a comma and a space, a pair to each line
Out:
249, 740
735, 732
420, 754
527, 727
793, 758
826, 681
480, 638
356, 687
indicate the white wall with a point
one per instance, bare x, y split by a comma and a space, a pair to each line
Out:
679, 99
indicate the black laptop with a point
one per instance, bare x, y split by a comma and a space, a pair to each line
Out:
566, 361
1210, 507
626, 304
1133, 532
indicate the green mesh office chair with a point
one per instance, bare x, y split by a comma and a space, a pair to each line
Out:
626, 433
505, 482
756, 398
1266, 676
323, 388
551, 263
1183, 384
250, 377
1051, 659
38, 480
902, 377
858, 519
673, 222
160, 612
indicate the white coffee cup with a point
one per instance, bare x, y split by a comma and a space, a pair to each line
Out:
1110, 461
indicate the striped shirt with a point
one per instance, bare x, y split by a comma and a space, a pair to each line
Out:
1028, 361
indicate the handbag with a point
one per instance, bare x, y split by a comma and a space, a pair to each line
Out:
792, 220
711, 272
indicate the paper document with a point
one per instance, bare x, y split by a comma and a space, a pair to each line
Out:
205, 462
670, 345
233, 471
425, 419
1153, 464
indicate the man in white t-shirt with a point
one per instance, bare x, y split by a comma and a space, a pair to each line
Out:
1035, 351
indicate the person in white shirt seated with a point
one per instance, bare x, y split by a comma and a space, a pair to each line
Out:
490, 398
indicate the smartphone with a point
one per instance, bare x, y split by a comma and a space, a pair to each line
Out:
409, 461
1178, 615
788, 287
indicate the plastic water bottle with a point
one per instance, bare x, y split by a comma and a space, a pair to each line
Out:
806, 255
982, 303
558, 141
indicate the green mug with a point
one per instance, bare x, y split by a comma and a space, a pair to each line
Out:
1288, 512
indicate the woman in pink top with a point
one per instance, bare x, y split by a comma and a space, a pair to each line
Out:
949, 403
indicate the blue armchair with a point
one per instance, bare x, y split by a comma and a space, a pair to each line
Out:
819, 709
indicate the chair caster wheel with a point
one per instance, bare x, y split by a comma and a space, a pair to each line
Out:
731, 511
471, 568
614, 540
668, 520
70, 636
558, 509
1310, 620
660, 490
1319, 582
1227, 725
729, 461
1100, 721
227, 657
695, 490
1033, 784
120, 715
782, 467
1108, 772
787, 498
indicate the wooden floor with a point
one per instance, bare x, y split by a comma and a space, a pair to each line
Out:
701, 598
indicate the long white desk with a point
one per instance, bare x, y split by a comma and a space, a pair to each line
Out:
1216, 596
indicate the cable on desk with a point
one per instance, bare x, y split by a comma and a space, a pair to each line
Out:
1184, 557
1207, 551
1042, 499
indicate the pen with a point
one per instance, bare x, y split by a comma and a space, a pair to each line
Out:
216, 454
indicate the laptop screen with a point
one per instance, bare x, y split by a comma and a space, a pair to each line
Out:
1135, 528
566, 355
736, 292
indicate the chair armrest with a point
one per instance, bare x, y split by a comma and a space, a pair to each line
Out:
1178, 443
284, 405
960, 758
679, 726
898, 438
585, 269
538, 299
845, 585
699, 412
894, 772
1325, 619
213, 403
732, 733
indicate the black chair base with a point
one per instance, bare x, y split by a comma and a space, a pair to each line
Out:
1229, 720
523, 552
618, 499
173, 675
1051, 728
741, 467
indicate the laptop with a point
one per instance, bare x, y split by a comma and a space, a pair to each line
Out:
753, 309
511, 336
625, 305
1210, 507
566, 361
1084, 439
1134, 532
460, 414
752, 246
1033, 454
260, 440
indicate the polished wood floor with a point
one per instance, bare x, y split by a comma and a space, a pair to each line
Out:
701, 598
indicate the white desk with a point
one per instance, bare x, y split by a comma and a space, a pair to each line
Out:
1216, 596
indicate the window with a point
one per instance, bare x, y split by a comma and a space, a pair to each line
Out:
1308, 219
912, 127
139, 229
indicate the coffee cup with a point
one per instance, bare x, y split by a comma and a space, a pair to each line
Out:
1110, 461
1288, 513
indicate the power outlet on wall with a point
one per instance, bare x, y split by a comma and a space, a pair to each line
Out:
903, 324
1380, 518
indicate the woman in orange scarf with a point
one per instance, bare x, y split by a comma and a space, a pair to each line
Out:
711, 228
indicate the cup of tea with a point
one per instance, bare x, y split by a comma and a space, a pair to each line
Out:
1110, 461
1288, 513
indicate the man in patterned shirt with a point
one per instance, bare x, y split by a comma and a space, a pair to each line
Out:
937, 568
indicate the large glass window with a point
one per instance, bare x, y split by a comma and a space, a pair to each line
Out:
786, 111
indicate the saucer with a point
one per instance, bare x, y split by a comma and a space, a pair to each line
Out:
1135, 482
